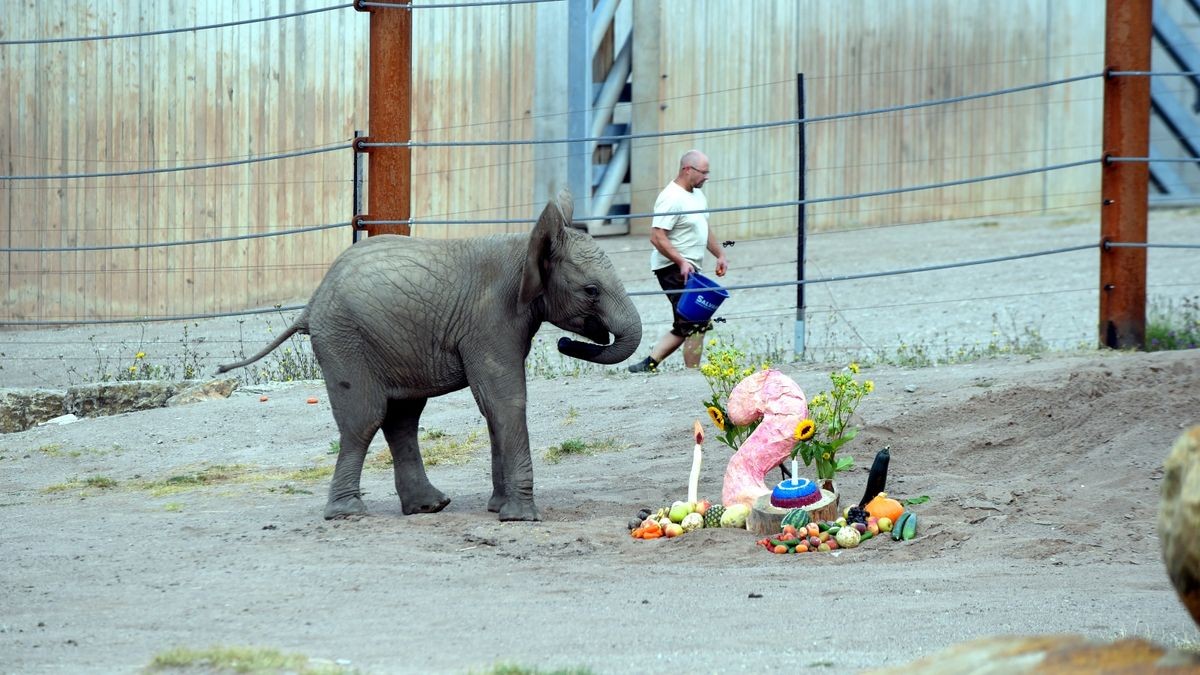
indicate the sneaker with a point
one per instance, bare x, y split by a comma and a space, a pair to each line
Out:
647, 364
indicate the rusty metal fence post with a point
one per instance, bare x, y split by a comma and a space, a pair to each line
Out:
1124, 186
389, 169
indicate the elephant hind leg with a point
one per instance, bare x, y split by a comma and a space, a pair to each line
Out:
357, 422
417, 494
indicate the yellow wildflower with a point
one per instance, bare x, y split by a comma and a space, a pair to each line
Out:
140, 355
717, 418
854, 367
133, 369
869, 385
805, 429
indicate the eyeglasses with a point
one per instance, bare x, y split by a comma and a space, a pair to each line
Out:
705, 173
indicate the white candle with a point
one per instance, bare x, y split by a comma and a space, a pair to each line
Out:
795, 472
694, 479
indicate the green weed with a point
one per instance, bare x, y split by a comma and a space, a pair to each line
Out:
98, 482
221, 474
513, 669
438, 447
140, 362
256, 660
291, 362
576, 447
1173, 326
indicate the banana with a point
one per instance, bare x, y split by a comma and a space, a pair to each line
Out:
910, 527
898, 526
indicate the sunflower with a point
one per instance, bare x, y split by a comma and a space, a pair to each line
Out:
805, 429
717, 416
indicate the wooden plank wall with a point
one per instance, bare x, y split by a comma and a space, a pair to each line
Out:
300, 83
222, 94
859, 55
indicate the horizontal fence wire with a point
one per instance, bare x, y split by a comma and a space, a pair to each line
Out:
191, 167
447, 5
773, 284
360, 144
188, 242
169, 31
152, 319
753, 207
1134, 244
737, 127
887, 273
528, 221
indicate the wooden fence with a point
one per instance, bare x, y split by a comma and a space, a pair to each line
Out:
300, 83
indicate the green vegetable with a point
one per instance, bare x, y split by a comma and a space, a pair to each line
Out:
797, 518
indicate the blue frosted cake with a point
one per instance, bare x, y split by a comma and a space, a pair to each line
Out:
795, 492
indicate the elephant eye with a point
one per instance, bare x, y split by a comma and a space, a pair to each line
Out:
592, 290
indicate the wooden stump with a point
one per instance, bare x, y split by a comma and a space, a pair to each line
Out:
765, 519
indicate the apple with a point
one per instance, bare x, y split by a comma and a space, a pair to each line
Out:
673, 530
678, 512
702, 506
885, 524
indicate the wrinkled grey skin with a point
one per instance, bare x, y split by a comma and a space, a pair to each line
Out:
397, 320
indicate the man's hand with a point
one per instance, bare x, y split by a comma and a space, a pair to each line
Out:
686, 269
722, 266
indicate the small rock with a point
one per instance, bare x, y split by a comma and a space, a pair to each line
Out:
61, 419
910, 388
204, 391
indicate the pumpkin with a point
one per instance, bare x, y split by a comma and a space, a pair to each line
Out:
883, 506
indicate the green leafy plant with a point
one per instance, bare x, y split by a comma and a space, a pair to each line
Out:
293, 362
576, 446
827, 429
723, 368
1172, 326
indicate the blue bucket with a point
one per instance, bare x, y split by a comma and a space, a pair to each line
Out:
703, 303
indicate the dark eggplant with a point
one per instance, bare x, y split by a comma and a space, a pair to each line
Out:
877, 479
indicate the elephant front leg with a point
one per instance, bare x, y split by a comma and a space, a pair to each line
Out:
503, 405
417, 494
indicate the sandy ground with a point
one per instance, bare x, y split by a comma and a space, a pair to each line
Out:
1043, 475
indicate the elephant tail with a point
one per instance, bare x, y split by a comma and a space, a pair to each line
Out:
300, 326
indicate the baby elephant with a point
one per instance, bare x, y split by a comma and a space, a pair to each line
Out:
398, 319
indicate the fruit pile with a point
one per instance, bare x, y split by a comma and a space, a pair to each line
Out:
682, 517
799, 535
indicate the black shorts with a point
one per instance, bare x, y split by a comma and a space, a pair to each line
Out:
670, 279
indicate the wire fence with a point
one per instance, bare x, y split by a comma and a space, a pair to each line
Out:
783, 312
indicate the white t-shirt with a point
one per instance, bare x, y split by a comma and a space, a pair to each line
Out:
687, 232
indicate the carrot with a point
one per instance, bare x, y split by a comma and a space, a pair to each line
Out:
652, 535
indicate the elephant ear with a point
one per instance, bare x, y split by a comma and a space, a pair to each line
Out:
542, 243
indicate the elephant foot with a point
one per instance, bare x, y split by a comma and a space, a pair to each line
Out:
518, 510
345, 507
496, 503
431, 502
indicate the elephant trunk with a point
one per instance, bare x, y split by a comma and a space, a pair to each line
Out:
622, 347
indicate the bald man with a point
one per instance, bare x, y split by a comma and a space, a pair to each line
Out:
680, 239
